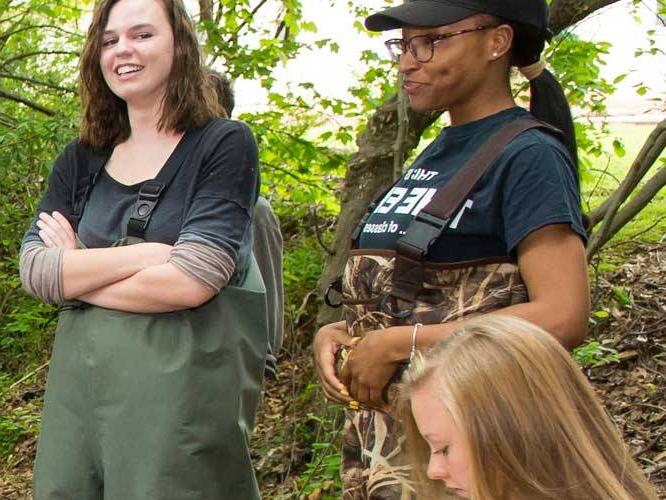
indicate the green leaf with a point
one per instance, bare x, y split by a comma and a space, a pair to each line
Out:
618, 148
622, 295
620, 78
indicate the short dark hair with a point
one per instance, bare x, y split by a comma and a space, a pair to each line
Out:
189, 102
224, 90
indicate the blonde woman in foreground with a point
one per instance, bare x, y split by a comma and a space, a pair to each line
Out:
499, 410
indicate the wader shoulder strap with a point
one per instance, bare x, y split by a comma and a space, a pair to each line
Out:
371, 208
433, 219
149, 194
89, 169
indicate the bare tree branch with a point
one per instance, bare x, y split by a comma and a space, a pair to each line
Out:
649, 153
633, 177
27, 102
637, 203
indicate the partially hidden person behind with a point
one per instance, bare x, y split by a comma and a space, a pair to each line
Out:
267, 241
499, 410
144, 236
486, 219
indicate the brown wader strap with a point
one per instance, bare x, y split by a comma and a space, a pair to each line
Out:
433, 219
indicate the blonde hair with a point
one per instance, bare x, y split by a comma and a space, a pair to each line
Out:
533, 424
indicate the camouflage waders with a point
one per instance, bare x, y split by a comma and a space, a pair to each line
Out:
373, 460
381, 289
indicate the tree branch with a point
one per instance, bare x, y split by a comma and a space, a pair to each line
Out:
564, 13
637, 203
632, 178
27, 102
649, 154
37, 82
26, 55
205, 10
7, 120
400, 145
9, 34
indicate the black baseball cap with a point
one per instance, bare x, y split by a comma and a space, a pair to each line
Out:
427, 13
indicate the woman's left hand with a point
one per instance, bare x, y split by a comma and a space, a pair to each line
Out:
369, 368
56, 231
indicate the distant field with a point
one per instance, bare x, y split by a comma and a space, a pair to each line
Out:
651, 223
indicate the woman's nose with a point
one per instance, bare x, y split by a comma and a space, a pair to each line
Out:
407, 62
123, 45
437, 469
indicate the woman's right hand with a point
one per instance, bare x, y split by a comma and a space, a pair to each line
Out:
327, 342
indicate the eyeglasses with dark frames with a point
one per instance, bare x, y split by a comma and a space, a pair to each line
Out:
422, 47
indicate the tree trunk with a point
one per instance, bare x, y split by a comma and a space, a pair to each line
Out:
369, 173
564, 13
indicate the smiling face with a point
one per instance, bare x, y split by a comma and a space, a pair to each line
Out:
458, 74
137, 51
449, 452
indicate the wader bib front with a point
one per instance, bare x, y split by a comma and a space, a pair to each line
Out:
154, 406
381, 289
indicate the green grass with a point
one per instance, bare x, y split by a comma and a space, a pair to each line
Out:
611, 167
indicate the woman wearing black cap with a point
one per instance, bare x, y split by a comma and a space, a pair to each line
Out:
513, 245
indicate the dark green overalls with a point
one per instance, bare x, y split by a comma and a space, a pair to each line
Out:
155, 406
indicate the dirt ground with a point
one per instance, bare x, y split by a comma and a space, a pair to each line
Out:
632, 319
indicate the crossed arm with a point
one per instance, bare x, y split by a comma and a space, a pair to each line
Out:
553, 267
134, 278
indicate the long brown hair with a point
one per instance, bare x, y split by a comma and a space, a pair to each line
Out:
532, 422
189, 101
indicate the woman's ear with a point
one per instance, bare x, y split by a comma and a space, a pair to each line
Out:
500, 41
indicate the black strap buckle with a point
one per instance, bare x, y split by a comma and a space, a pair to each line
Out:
420, 234
384, 305
335, 286
149, 195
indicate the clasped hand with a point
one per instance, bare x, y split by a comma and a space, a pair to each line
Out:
56, 231
367, 370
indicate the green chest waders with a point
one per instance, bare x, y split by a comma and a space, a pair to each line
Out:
381, 289
155, 406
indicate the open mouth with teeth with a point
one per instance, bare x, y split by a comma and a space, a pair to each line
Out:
127, 69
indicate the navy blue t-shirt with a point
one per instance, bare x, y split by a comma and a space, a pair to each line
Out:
530, 185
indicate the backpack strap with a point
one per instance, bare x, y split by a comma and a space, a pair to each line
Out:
151, 190
434, 218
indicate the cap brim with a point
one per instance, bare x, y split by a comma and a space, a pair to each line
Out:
424, 13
